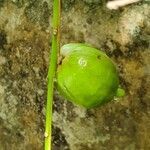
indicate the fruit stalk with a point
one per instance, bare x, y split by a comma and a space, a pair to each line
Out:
51, 72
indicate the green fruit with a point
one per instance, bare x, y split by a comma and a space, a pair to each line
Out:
86, 76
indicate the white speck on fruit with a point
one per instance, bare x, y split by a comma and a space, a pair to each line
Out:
82, 62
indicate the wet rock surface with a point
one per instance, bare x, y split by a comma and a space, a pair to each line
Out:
25, 36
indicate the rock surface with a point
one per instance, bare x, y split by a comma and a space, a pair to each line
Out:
25, 36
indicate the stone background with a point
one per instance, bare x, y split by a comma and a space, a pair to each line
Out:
25, 35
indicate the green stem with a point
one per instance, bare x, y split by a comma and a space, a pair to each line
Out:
51, 73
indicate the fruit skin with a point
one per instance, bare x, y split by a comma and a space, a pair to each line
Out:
86, 76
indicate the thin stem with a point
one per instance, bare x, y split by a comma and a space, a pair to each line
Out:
51, 73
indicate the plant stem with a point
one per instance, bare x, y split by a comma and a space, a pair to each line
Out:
51, 73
